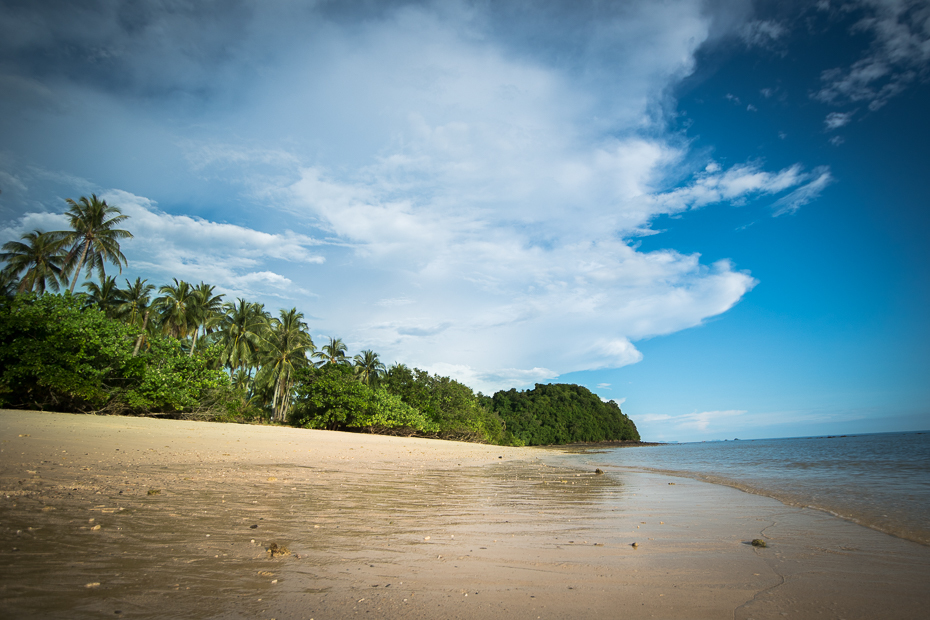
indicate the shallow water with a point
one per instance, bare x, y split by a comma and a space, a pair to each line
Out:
881, 481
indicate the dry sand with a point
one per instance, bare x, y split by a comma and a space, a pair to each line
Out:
144, 518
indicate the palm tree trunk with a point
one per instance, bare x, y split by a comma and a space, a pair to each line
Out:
274, 401
77, 272
194, 342
141, 337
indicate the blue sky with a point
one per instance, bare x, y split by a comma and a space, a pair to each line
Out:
713, 212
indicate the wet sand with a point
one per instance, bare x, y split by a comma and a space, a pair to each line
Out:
143, 518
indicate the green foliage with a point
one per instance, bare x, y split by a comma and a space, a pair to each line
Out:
449, 405
327, 398
331, 398
559, 414
386, 413
40, 260
93, 238
56, 354
173, 380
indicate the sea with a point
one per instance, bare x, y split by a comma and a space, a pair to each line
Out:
881, 481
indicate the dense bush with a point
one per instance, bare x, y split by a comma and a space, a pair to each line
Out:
56, 354
450, 406
331, 398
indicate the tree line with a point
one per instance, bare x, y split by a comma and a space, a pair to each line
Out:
183, 349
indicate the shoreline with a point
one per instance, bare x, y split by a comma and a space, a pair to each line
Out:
403, 528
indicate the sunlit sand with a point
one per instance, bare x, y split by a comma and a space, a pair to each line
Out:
146, 518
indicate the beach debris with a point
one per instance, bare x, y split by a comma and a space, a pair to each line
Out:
275, 550
154, 491
426, 538
671, 484
272, 479
96, 527
92, 584
252, 527
634, 545
758, 542
598, 471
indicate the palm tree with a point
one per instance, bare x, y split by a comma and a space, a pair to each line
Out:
134, 301
206, 311
284, 349
240, 333
8, 284
332, 353
41, 258
105, 295
175, 304
94, 239
134, 307
368, 367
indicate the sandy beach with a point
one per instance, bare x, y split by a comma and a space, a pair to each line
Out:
148, 518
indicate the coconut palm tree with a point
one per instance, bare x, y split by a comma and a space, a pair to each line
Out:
105, 295
240, 333
134, 307
8, 284
41, 258
332, 353
134, 302
207, 311
175, 306
284, 349
368, 367
94, 238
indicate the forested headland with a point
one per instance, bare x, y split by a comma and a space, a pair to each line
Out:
181, 349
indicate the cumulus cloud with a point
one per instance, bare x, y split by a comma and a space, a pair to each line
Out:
457, 185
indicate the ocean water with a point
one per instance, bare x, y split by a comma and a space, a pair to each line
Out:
881, 481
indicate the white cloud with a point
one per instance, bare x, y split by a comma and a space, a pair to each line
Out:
703, 422
899, 54
835, 120
762, 33
458, 186
740, 183
168, 246
820, 178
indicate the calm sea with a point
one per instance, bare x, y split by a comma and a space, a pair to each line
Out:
881, 481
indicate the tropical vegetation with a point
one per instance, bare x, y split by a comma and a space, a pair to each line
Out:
179, 349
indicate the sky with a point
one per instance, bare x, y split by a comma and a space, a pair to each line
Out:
713, 212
